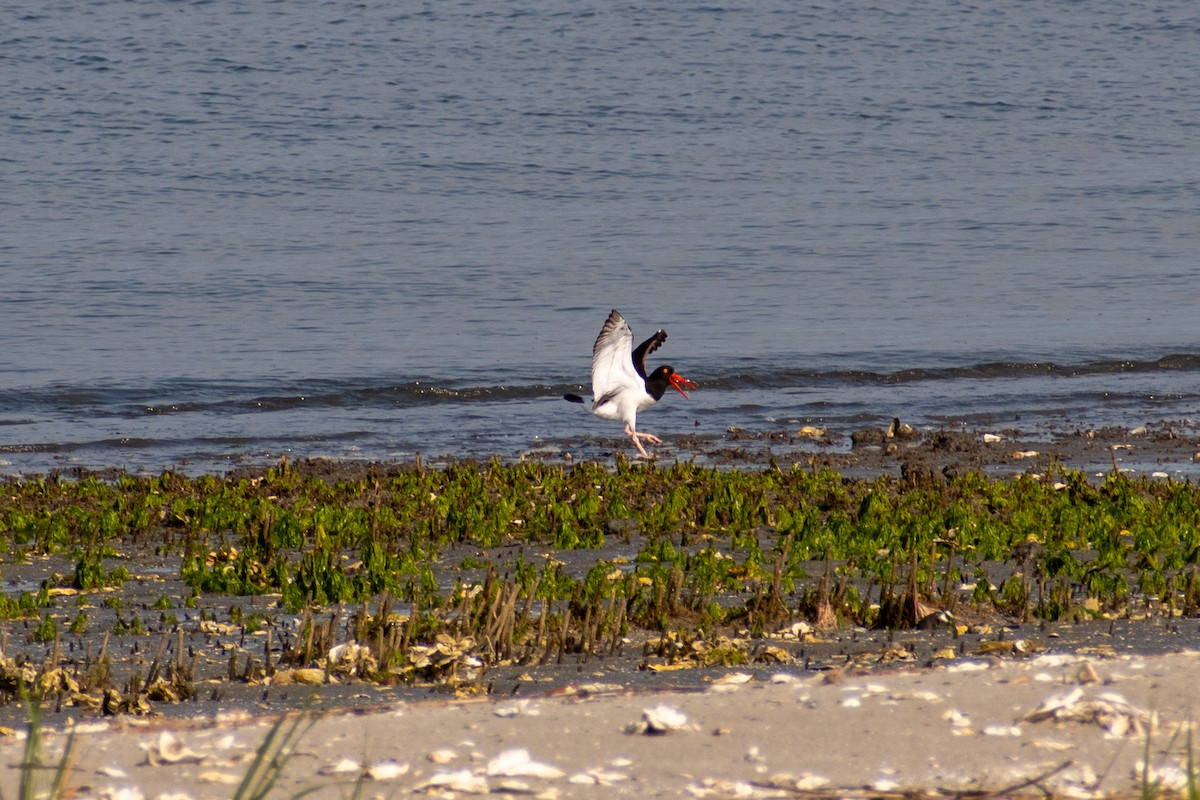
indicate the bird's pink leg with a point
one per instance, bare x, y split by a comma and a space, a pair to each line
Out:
649, 437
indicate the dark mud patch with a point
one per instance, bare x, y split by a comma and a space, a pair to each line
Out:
225, 653
1170, 447
226, 666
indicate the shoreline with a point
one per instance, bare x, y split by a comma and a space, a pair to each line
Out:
1169, 446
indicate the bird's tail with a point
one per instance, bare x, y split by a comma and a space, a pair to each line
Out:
573, 398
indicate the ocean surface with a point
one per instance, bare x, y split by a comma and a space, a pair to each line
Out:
234, 231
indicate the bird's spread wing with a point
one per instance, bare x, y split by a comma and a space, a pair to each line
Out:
612, 359
646, 348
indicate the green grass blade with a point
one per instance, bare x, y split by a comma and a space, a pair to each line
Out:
273, 753
1193, 787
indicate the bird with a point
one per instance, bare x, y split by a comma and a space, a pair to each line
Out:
620, 385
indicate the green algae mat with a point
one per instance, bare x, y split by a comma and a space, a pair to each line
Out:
395, 575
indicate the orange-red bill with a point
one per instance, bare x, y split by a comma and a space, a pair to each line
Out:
677, 379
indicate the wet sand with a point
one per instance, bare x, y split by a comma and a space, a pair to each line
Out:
839, 716
1169, 447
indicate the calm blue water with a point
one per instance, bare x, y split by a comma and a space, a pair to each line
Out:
232, 231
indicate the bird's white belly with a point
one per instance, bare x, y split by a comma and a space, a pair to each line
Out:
623, 408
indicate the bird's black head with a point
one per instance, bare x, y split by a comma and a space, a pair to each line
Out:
658, 381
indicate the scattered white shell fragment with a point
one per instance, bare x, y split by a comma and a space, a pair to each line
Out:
1055, 703
1158, 474
387, 771
341, 767
1116, 726
783, 677
956, 718
343, 652
991, 438
852, 701
517, 763
441, 756
1170, 777
801, 629
734, 678
112, 772
884, 785
1112, 712
1026, 454
227, 742
461, 781
169, 750
724, 688
1001, 730
123, 793
662, 719
1055, 660
716, 787
521, 708
597, 777
1079, 781
351, 658
808, 783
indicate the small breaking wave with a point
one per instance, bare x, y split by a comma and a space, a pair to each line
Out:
221, 398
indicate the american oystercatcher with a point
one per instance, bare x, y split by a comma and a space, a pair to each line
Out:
620, 385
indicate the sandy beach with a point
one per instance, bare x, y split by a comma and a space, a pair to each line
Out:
1063, 725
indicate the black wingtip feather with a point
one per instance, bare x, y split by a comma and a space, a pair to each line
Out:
646, 348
